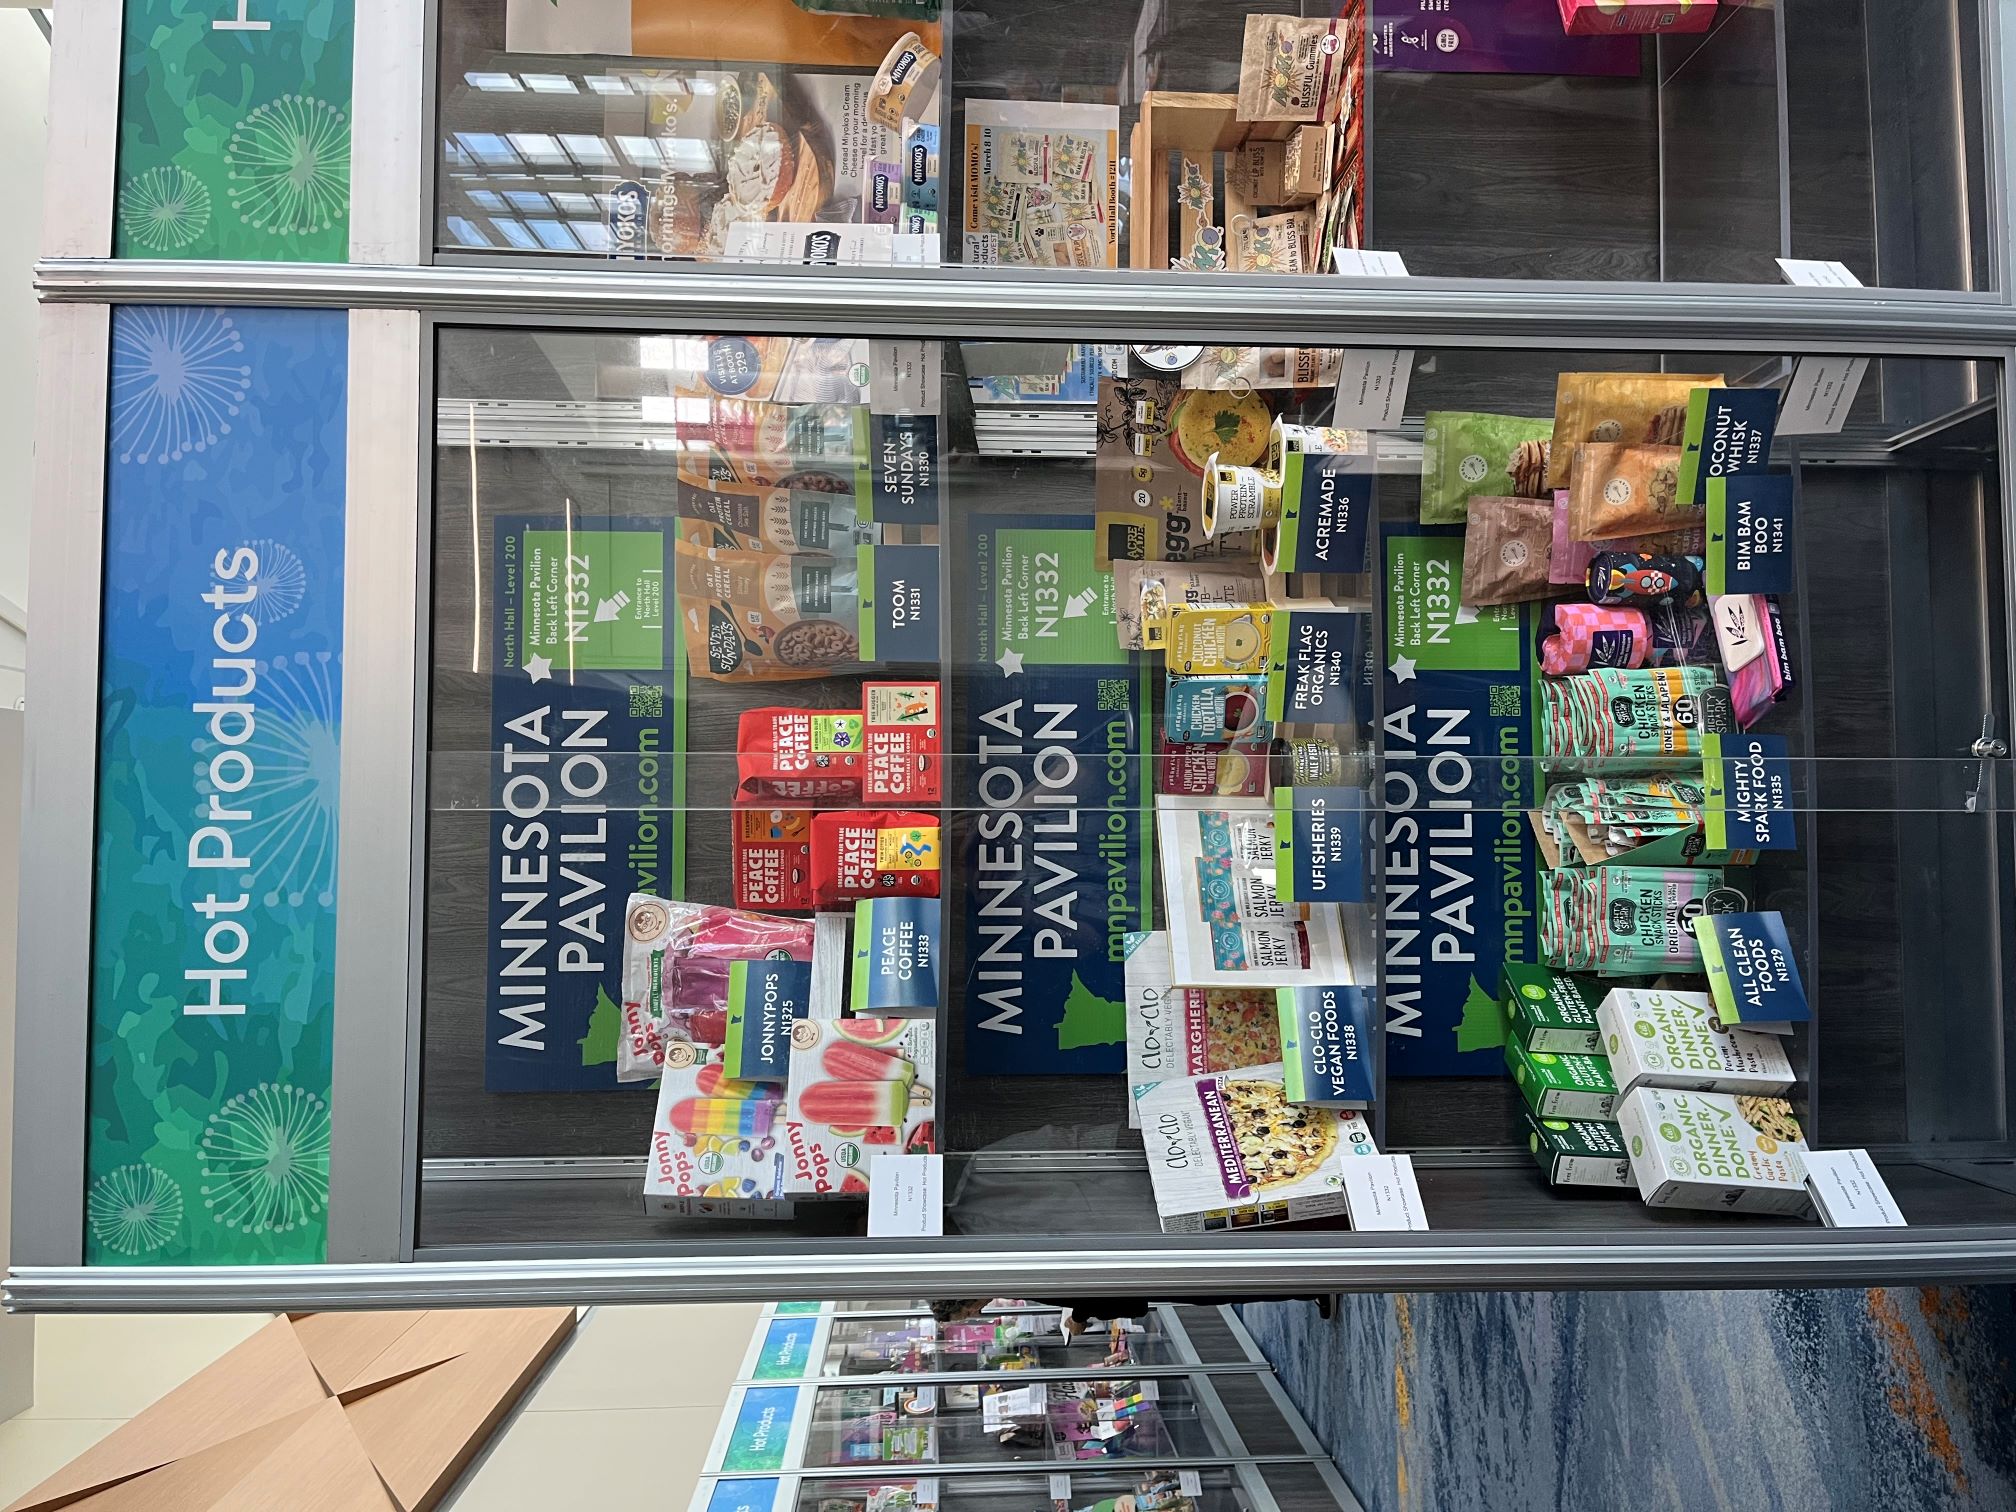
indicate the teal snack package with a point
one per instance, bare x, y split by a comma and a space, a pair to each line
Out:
1467, 455
1629, 920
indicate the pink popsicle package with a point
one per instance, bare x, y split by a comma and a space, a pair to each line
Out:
856, 1087
675, 974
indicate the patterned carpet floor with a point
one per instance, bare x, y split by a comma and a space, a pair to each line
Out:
1575, 1402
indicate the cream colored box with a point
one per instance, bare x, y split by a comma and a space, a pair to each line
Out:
1713, 1151
1660, 1038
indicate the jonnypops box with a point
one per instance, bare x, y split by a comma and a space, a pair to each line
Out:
857, 1087
1662, 1038
1713, 1150
713, 1135
1228, 1150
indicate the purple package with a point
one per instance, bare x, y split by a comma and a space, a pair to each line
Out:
1491, 36
1681, 638
881, 193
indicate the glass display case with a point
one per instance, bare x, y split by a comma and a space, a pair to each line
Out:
778, 630
1207, 1428
1480, 141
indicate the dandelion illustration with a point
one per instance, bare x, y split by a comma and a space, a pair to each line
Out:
135, 1209
290, 166
266, 1159
165, 208
290, 839
282, 582
176, 381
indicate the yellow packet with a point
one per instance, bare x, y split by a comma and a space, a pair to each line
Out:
1633, 409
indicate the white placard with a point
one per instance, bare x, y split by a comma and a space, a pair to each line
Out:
1060, 1490
1355, 262
1814, 273
1372, 387
906, 1196
1189, 1482
1821, 393
1381, 1192
1371, 381
1823, 389
1848, 1190
904, 377
999, 1410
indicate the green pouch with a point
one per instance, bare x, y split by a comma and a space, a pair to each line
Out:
1466, 455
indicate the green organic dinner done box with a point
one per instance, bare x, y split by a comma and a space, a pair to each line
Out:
1563, 1086
1551, 1011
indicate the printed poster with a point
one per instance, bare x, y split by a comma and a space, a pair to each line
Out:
234, 130
1056, 826
588, 791
220, 693
1462, 874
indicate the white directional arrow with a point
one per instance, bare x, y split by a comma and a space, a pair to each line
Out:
1076, 605
609, 608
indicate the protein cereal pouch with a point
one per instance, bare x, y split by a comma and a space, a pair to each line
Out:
749, 441
1506, 545
1146, 594
1291, 68
1627, 408
749, 517
1626, 491
750, 616
801, 755
1467, 455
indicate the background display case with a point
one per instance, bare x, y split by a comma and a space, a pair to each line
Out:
504, 376
1208, 1422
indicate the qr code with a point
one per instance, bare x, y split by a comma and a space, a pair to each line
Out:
647, 701
1508, 701
1114, 694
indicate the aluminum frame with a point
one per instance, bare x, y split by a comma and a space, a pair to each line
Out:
396, 277
971, 303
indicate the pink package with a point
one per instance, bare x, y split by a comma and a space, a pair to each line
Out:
675, 973
1762, 681
1568, 559
1588, 635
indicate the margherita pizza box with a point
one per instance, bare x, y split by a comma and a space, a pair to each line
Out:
1228, 1150
1185, 1031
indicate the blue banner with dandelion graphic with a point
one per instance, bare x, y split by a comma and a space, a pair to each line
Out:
234, 130
214, 933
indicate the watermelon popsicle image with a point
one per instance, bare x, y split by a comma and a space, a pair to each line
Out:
856, 1104
845, 1060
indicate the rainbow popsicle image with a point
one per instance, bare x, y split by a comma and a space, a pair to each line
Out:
741, 1118
856, 1104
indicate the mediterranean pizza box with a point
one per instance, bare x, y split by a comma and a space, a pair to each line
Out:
1714, 1151
1227, 1150
1578, 1152
1562, 1086
1658, 1037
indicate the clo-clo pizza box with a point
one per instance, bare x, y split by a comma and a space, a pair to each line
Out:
1228, 1150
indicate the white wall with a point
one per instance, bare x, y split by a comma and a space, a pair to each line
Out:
24, 97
